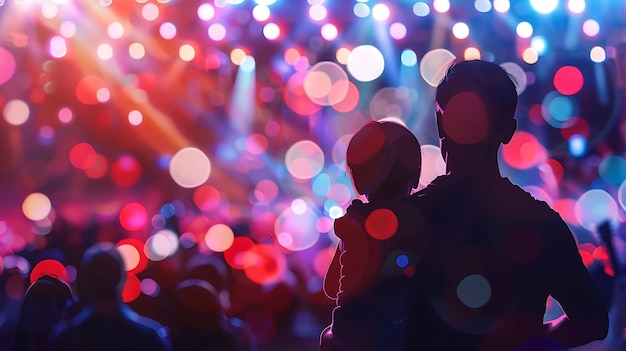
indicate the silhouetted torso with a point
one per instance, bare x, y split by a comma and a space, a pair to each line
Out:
496, 256
113, 329
374, 290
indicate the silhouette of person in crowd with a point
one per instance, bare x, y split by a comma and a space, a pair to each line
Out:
46, 302
104, 322
496, 252
379, 242
200, 323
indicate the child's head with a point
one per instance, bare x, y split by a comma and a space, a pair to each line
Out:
384, 160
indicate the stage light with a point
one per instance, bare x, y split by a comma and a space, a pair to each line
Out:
190, 167
329, 32
36, 206
237, 55
342, 55
524, 30
115, 30
460, 30
136, 51
408, 58
261, 13
576, 6
317, 12
421, 9
105, 52
67, 29
49, 10
539, 44
397, 31
186, 52
482, 5
265, 2
597, 54
271, 31
206, 12
167, 30
501, 6
248, 64
150, 12
591, 27
530, 56
361, 10
16, 112
135, 117
366, 63
217, 32
544, 6
381, 12
471, 53
441, 6
58, 47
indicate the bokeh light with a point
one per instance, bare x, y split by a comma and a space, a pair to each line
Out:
524, 151
518, 74
471, 53
421, 9
304, 159
296, 231
544, 6
433, 164
613, 169
133, 216
397, 30
501, 6
219, 237
591, 27
365, 63
16, 112
594, 207
36, 206
268, 265
441, 6
474, 291
131, 250
576, 6
381, 12
361, 10
597, 54
326, 83
217, 32
568, 80
190, 167
329, 31
435, 64
460, 30
206, 12
261, 13
524, 30
381, 224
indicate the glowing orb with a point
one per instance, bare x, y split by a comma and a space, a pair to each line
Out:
433, 164
304, 160
518, 73
219, 237
7, 68
365, 63
16, 112
474, 291
434, 65
190, 167
594, 207
296, 231
36, 206
326, 83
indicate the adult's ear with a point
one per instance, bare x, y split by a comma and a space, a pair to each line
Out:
509, 130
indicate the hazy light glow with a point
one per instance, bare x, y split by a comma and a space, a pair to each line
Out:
460, 30
397, 31
58, 47
67, 29
304, 160
501, 6
105, 52
261, 13
16, 112
591, 27
530, 56
381, 12
441, 6
271, 31
329, 31
36, 206
206, 12
482, 5
524, 30
186, 52
576, 6
597, 54
365, 63
150, 12
219, 237
421, 9
471, 53
217, 32
361, 10
408, 58
136, 51
190, 167
167, 30
115, 30
318, 12
434, 65
544, 6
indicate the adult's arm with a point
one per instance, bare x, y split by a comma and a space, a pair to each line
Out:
571, 285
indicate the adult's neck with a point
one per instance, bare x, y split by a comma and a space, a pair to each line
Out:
487, 170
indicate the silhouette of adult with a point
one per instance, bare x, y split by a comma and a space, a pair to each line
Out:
379, 242
497, 253
104, 322
45, 303
200, 321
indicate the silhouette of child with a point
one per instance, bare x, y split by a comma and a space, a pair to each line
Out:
379, 245
45, 303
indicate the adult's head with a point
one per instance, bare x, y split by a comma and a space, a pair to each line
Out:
197, 307
384, 160
101, 274
476, 102
45, 303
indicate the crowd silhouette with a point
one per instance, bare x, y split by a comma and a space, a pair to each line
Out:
467, 263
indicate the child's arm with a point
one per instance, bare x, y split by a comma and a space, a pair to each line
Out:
331, 280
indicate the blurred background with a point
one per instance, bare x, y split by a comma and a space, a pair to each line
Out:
176, 128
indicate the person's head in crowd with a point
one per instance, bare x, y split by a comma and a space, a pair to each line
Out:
476, 102
45, 303
212, 269
197, 307
384, 160
101, 274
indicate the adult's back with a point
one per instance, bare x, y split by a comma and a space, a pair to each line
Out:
497, 253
